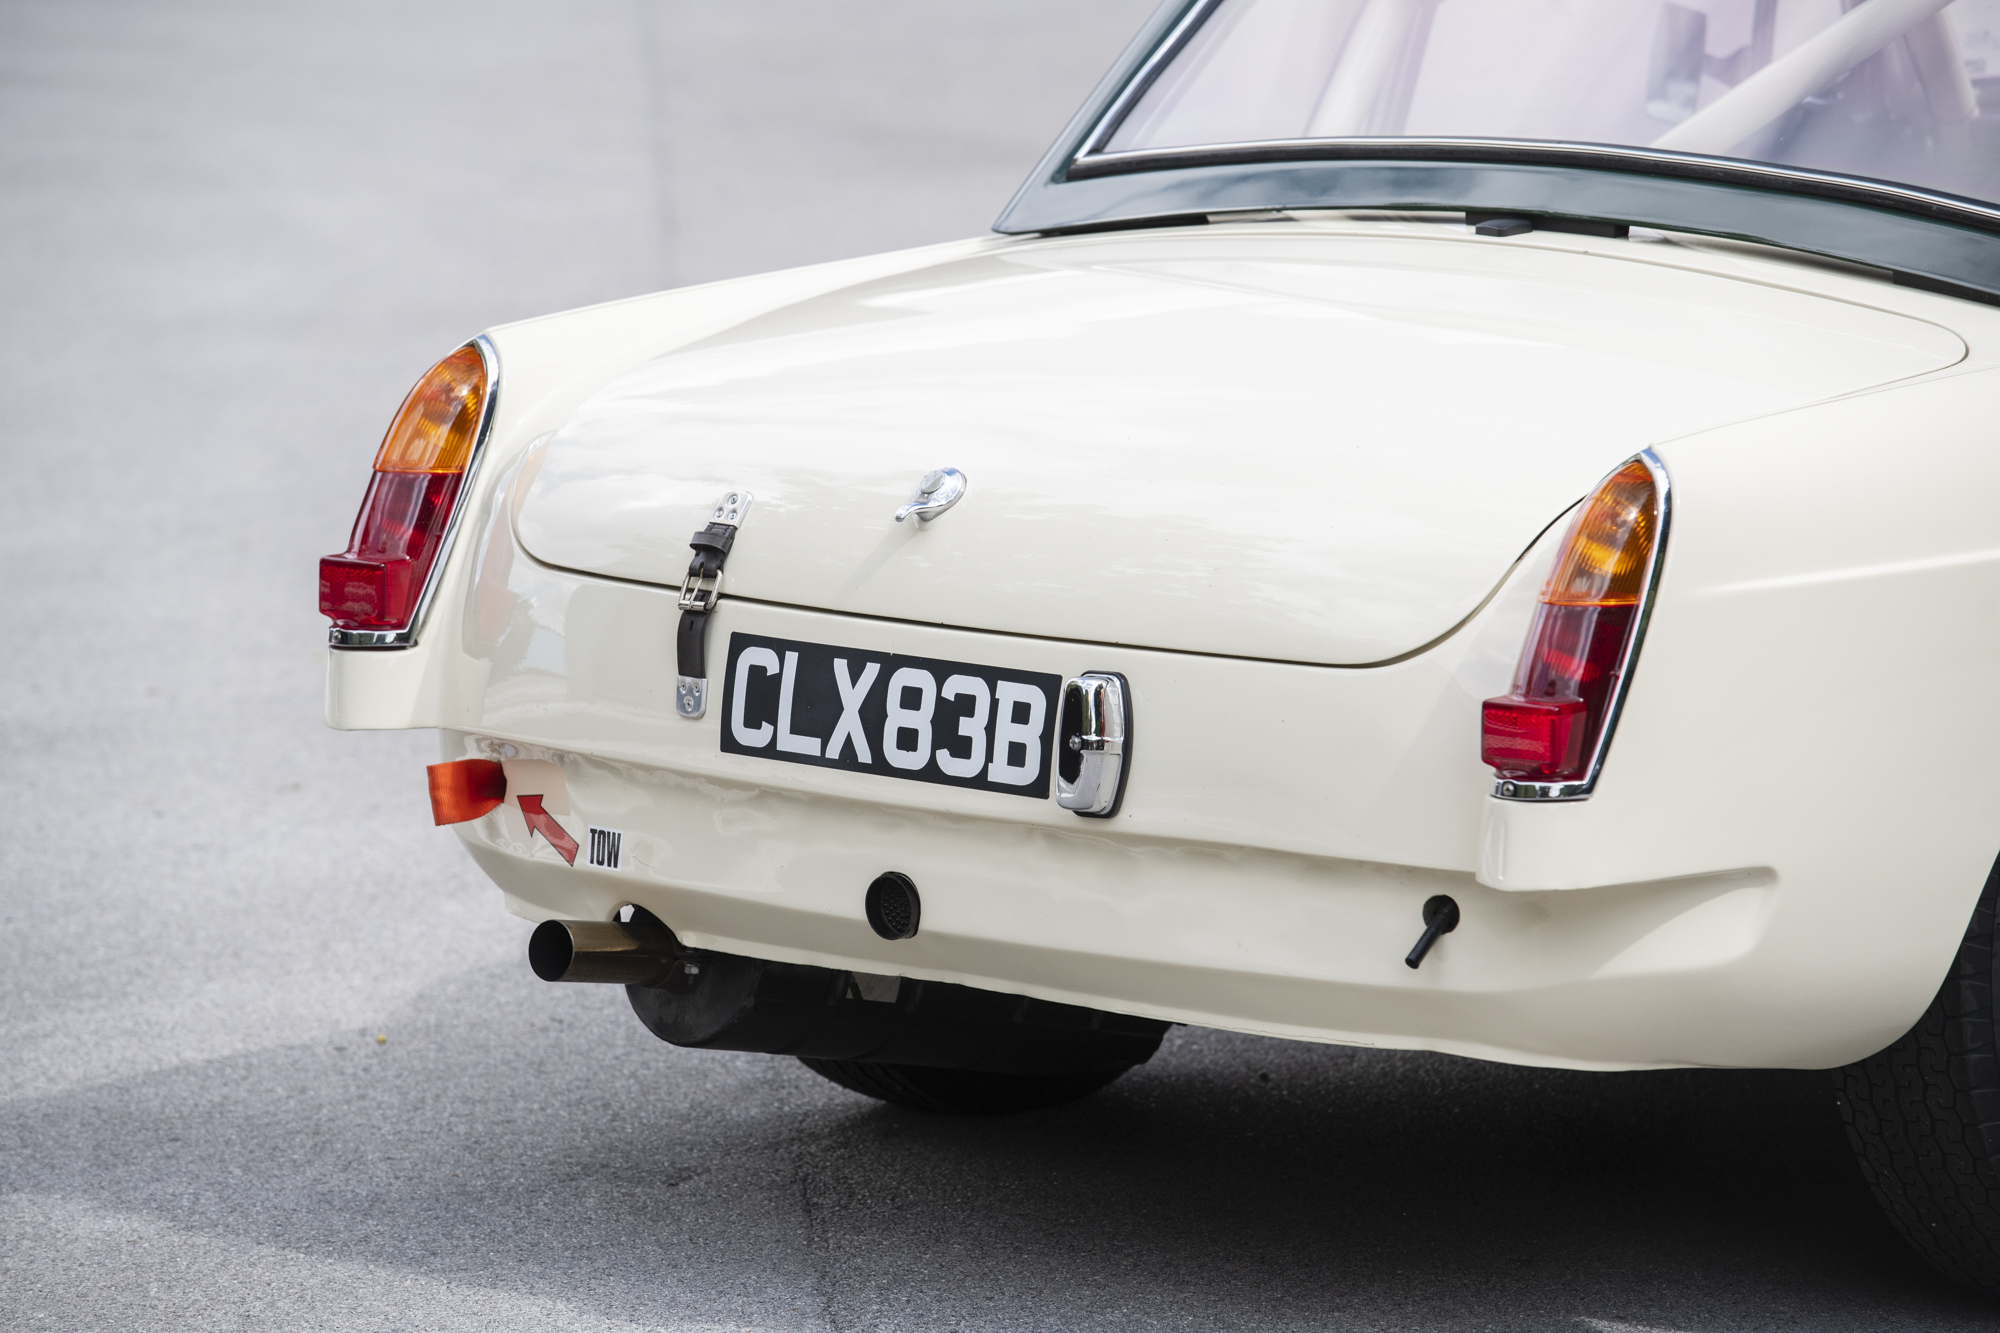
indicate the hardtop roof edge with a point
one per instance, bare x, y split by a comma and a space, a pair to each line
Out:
1935, 240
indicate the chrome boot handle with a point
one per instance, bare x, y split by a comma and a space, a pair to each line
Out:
937, 492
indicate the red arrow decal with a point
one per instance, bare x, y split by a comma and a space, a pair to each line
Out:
542, 822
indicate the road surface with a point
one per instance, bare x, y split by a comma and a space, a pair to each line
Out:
273, 1057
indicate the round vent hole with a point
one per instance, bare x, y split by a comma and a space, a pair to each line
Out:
892, 906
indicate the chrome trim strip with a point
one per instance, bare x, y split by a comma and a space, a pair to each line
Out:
1514, 789
337, 637
1141, 81
1613, 157
1049, 167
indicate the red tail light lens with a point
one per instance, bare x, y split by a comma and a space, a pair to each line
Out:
376, 582
1534, 736
1551, 726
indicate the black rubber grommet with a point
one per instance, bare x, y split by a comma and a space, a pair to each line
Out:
892, 906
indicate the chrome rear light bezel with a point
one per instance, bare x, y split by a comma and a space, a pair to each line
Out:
1576, 789
336, 636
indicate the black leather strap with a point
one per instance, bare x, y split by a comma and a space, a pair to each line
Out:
691, 645
698, 596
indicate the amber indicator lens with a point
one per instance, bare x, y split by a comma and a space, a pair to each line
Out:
1545, 728
434, 430
375, 583
1603, 557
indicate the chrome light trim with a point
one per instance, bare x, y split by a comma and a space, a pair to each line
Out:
336, 637
1099, 703
1576, 789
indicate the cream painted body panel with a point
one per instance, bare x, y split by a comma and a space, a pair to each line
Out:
1794, 821
548, 366
1284, 444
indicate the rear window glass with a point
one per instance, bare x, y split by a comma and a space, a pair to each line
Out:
1899, 90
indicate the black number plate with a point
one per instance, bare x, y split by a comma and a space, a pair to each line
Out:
958, 723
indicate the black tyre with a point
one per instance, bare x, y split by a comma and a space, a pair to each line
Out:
960, 1091
1924, 1117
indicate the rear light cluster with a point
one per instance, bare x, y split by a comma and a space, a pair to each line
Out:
376, 585
1546, 736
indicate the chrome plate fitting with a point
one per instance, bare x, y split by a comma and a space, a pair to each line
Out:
1093, 744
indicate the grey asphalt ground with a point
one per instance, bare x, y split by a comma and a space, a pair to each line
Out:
270, 1056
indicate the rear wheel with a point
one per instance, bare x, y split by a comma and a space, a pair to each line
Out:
961, 1091
1924, 1117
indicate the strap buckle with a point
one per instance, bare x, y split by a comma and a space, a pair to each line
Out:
703, 585
700, 590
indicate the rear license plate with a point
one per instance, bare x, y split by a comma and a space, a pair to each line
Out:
958, 723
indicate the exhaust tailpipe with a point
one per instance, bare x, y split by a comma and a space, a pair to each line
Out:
724, 1002
639, 953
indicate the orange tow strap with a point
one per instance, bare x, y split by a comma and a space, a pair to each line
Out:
465, 789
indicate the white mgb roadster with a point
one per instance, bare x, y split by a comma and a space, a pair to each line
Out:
1461, 526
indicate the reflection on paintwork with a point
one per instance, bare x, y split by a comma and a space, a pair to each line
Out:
1303, 446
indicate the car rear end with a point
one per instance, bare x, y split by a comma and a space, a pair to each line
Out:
1326, 725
